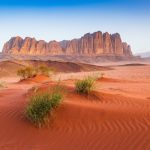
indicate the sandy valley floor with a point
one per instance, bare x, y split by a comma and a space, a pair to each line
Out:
115, 117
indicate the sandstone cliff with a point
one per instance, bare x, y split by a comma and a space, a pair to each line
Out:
95, 44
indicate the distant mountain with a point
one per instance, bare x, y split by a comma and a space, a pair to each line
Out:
95, 44
144, 55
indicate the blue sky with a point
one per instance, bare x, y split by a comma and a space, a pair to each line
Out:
64, 19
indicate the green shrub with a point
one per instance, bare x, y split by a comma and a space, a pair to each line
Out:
2, 85
27, 72
102, 75
30, 72
44, 70
85, 86
34, 89
57, 95
42, 105
22, 73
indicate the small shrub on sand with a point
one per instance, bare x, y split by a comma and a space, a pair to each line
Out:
27, 72
2, 85
42, 104
21, 73
30, 72
34, 89
102, 75
44, 70
85, 86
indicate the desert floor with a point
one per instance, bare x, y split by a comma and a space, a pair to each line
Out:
115, 117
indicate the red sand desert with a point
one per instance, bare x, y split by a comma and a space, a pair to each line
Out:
115, 117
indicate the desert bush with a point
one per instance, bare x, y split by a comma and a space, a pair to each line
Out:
57, 94
30, 72
44, 70
22, 73
27, 72
85, 86
102, 75
2, 84
42, 104
34, 89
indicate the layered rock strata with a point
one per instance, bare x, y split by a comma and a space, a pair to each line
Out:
95, 44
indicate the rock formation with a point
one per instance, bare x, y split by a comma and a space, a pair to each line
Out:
95, 44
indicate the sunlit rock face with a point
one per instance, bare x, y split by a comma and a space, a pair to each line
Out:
95, 44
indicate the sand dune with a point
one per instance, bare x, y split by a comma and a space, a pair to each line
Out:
9, 68
106, 120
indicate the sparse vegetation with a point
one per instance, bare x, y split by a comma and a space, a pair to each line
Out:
44, 70
27, 72
34, 89
21, 73
42, 104
30, 72
102, 75
85, 86
2, 84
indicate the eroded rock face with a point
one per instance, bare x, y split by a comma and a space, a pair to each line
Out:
95, 44
107, 43
13, 45
98, 43
54, 48
117, 44
126, 49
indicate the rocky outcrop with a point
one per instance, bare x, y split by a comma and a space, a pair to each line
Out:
126, 49
117, 44
107, 43
13, 45
95, 44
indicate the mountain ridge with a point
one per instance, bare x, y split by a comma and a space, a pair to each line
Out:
95, 44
